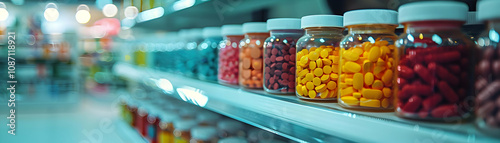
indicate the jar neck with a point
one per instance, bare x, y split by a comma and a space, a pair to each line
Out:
324, 31
372, 28
432, 26
287, 32
234, 37
493, 24
257, 35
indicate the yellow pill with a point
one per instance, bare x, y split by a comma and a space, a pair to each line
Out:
342, 77
312, 94
316, 81
392, 47
309, 77
320, 88
335, 69
385, 50
314, 55
358, 81
312, 49
348, 81
357, 51
385, 103
378, 69
367, 66
303, 73
326, 62
299, 91
318, 71
377, 84
324, 53
304, 60
318, 50
387, 92
365, 54
371, 93
312, 65
310, 85
304, 51
325, 78
349, 100
332, 93
319, 63
356, 94
304, 90
331, 85
374, 54
369, 78
299, 68
387, 77
324, 94
303, 81
327, 69
346, 92
298, 79
335, 59
352, 67
381, 43
334, 76
348, 55
369, 102
380, 62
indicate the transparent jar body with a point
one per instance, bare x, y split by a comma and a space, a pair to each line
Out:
487, 84
151, 128
250, 60
181, 136
279, 61
208, 53
228, 59
317, 61
166, 132
140, 55
179, 57
191, 58
434, 73
367, 67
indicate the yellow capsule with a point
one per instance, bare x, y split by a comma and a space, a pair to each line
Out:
381, 43
367, 66
324, 53
334, 76
319, 63
298, 79
335, 69
312, 94
348, 55
310, 85
369, 78
377, 84
324, 94
352, 67
348, 81
346, 92
369, 102
342, 85
387, 77
380, 62
387, 92
318, 50
309, 76
313, 56
356, 94
303, 81
342, 77
325, 78
326, 62
316, 81
312, 65
385, 103
320, 88
299, 91
332, 93
378, 69
335, 59
304, 51
312, 49
357, 51
349, 100
299, 68
385, 50
389, 65
304, 60
358, 81
374, 54
304, 90
327, 69
318, 71
331, 85
303, 73
371, 93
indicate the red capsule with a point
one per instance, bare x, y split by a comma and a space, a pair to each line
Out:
423, 113
405, 72
455, 69
447, 76
443, 57
413, 104
449, 94
431, 101
424, 73
444, 111
412, 89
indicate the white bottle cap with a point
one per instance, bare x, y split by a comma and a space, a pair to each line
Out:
472, 18
204, 133
184, 124
488, 9
433, 10
211, 32
195, 33
371, 16
255, 27
233, 140
232, 30
230, 125
321, 21
283, 23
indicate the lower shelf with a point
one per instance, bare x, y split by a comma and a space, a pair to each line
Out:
301, 120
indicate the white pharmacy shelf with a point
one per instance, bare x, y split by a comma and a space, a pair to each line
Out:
301, 120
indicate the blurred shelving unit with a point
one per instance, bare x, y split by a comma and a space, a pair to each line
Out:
297, 119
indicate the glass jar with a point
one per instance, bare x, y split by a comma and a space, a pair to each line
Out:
228, 54
488, 70
367, 58
166, 127
230, 128
250, 64
179, 52
279, 55
182, 132
208, 52
435, 65
152, 124
191, 57
141, 123
203, 134
472, 27
318, 57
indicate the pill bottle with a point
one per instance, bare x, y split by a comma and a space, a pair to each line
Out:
367, 60
318, 57
487, 84
230, 128
191, 57
142, 115
435, 65
166, 50
250, 64
472, 27
233, 140
228, 54
152, 123
182, 131
207, 118
140, 54
132, 108
179, 52
208, 52
204, 134
166, 126
279, 55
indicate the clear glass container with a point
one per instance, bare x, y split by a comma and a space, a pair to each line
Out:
152, 125
279, 55
250, 60
191, 56
208, 54
435, 63
228, 54
367, 60
182, 132
487, 84
166, 126
317, 61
